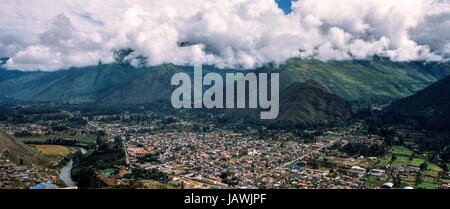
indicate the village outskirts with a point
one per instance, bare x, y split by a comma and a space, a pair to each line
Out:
232, 199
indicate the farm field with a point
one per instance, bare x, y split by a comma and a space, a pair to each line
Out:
417, 162
426, 185
401, 160
44, 138
385, 159
52, 149
330, 137
400, 150
81, 141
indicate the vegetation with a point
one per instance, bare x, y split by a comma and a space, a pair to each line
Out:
308, 104
106, 156
52, 149
373, 150
432, 103
371, 80
21, 153
143, 174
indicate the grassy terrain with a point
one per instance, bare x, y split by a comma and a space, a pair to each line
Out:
400, 150
44, 138
354, 80
16, 151
145, 184
401, 161
434, 167
52, 149
373, 181
427, 185
386, 159
363, 79
416, 162
330, 137
402, 155
82, 141
403, 158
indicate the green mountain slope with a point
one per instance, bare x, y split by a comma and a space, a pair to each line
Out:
151, 86
364, 80
370, 80
433, 103
10, 74
75, 83
16, 151
309, 104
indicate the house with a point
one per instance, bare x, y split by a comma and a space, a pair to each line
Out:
388, 185
357, 169
45, 186
377, 172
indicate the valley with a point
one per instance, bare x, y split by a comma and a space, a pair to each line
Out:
374, 79
336, 129
150, 148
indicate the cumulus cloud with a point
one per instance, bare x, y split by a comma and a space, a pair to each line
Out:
52, 34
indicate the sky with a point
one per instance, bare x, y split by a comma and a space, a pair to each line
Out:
51, 35
285, 5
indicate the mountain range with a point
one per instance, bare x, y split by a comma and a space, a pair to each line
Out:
375, 79
328, 84
372, 79
432, 103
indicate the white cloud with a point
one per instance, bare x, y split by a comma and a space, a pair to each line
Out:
53, 34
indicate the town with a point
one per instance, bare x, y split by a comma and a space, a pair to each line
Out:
174, 152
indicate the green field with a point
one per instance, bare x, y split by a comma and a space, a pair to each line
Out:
373, 181
417, 162
410, 179
330, 137
52, 149
427, 185
372, 78
434, 167
401, 160
45, 138
410, 143
385, 159
400, 150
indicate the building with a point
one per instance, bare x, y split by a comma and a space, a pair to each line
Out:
388, 185
357, 169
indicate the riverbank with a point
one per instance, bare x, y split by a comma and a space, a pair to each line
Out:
65, 173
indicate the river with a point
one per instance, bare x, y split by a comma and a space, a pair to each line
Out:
65, 174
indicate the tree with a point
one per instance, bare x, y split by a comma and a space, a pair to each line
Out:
423, 166
419, 179
394, 157
397, 181
181, 185
445, 167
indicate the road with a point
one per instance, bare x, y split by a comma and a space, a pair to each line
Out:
127, 158
307, 154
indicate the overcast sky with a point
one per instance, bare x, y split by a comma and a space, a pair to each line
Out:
54, 34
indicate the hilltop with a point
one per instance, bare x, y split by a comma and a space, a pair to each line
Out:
309, 104
17, 151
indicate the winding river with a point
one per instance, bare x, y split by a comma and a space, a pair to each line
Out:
65, 174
